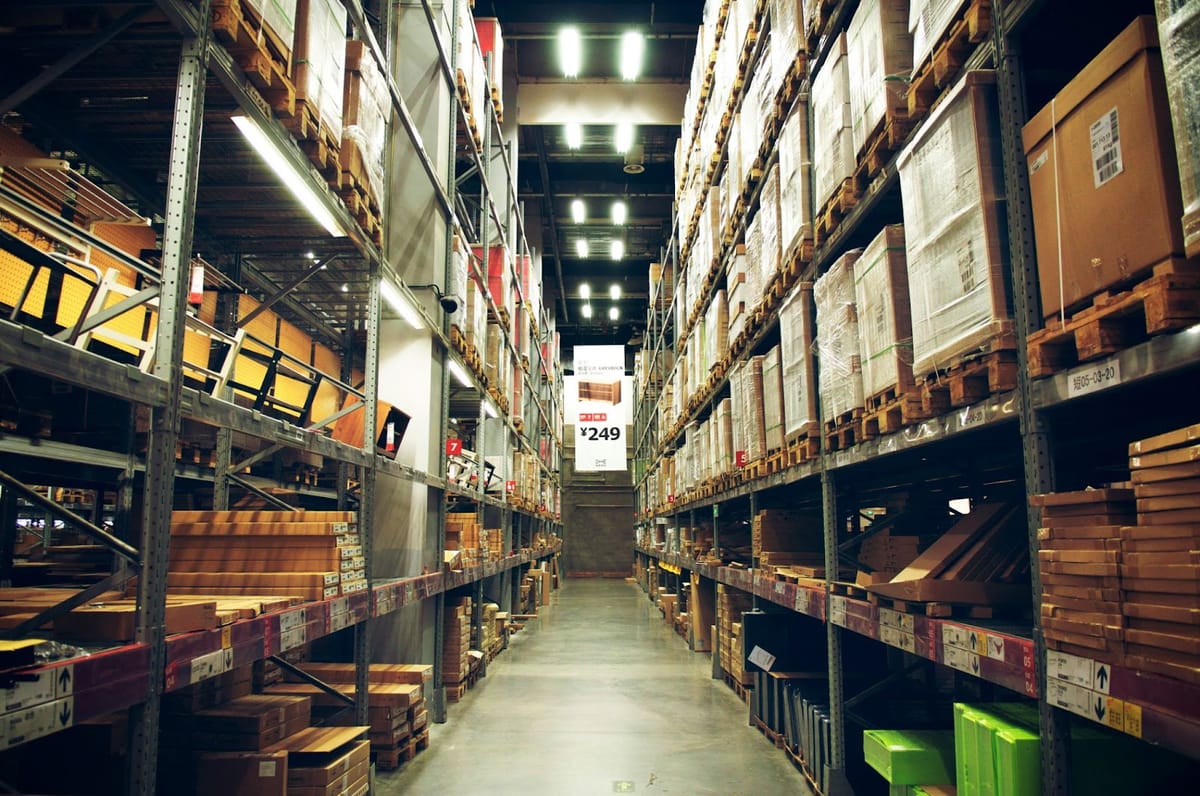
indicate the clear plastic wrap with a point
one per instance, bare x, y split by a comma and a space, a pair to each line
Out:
319, 59
717, 325
741, 21
754, 247
736, 291
736, 166
456, 283
884, 319
928, 21
880, 60
795, 196
796, 360
366, 108
725, 435
279, 16
773, 411
950, 179
737, 411
787, 35
832, 147
841, 386
768, 211
756, 422
1179, 36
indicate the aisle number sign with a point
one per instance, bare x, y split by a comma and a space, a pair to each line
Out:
599, 409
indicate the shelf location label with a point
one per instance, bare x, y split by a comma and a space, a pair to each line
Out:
1093, 377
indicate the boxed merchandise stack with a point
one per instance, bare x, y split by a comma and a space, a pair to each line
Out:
910, 758
456, 643
491, 50
319, 64
1101, 150
736, 292
462, 534
841, 385
499, 275
788, 42
769, 256
952, 186
724, 433
1179, 35
796, 350
731, 604
472, 77
773, 415
885, 332
1079, 553
832, 137
366, 109
879, 51
795, 186
756, 111
716, 330
788, 538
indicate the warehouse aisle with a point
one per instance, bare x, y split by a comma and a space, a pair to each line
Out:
597, 696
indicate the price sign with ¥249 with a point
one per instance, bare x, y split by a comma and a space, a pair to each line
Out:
596, 433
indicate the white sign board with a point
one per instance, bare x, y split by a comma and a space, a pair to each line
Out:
597, 403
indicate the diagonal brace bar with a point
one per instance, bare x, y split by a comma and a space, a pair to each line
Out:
296, 671
267, 496
71, 603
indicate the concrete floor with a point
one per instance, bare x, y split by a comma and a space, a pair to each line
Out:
597, 696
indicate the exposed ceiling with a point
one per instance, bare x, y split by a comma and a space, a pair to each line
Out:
551, 174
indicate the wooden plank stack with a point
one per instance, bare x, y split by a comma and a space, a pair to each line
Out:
238, 553
731, 604
1079, 554
249, 723
1160, 556
456, 643
789, 538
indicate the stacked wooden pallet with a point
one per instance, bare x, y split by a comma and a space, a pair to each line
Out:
456, 643
238, 553
731, 604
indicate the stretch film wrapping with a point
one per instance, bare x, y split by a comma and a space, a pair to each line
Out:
1179, 36
768, 212
879, 60
832, 145
737, 411
787, 35
773, 412
796, 356
319, 59
717, 323
366, 108
841, 386
950, 179
795, 194
725, 435
928, 21
756, 431
754, 253
736, 292
884, 319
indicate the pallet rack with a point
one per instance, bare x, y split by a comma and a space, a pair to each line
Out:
1045, 433
189, 68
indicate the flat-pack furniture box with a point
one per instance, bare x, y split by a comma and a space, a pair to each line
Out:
840, 386
601, 391
884, 319
795, 181
879, 48
796, 348
319, 59
954, 227
1102, 174
832, 141
1179, 35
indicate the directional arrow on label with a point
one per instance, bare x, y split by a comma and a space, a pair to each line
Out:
64, 680
64, 715
1100, 708
975, 664
974, 642
1102, 676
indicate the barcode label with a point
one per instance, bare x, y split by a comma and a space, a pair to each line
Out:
1106, 148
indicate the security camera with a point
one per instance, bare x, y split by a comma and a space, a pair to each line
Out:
451, 304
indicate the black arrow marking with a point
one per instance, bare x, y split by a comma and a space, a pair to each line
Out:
1100, 708
1102, 676
975, 664
64, 715
64, 679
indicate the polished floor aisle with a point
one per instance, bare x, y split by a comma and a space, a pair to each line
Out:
597, 696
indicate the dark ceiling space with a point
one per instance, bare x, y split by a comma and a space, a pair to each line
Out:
595, 172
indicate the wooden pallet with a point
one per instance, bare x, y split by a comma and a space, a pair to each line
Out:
739, 688
1168, 300
892, 410
836, 208
790, 86
820, 19
940, 609
804, 448
972, 25
392, 759
260, 52
772, 736
455, 692
969, 382
846, 589
881, 145
843, 431
321, 145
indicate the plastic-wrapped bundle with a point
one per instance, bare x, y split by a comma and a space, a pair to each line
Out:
928, 21
833, 148
755, 411
880, 61
841, 387
741, 22
736, 292
717, 324
768, 213
319, 59
758, 106
456, 283
950, 179
737, 412
754, 248
884, 319
796, 360
366, 108
795, 163
736, 166
773, 412
787, 36
1179, 36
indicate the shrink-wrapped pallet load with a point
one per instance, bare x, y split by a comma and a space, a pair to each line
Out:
928, 21
768, 214
319, 60
879, 59
787, 35
366, 108
832, 142
717, 324
1179, 36
884, 318
756, 422
841, 386
795, 181
773, 410
952, 186
796, 356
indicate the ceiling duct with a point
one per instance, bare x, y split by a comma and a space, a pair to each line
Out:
635, 159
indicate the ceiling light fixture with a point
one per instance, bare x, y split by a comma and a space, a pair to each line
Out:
578, 211
613, 313
618, 213
617, 250
459, 372
632, 48
624, 137
295, 182
570, 56
585, 291
400, 304
574, 133
587, 310
581, 248
614, 292
489, 409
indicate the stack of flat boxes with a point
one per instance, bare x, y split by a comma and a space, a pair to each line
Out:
731, 604
456, 643
841, 385
462, 534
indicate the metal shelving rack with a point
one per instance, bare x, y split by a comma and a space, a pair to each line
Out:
135, 675
1019, 423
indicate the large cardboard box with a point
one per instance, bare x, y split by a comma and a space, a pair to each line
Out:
832, 141
1179, 32
879, 47
243, 773
841, 385
884, 317
1100, 156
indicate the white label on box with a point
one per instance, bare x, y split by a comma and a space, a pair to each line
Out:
266, 769
1040, 161
955, 636
1069, 668
290, 639
837, 609
290, 620
34, 689
211, 664
762, 659
802, 600
896, 637
905, 622
995, 648
1070, 697
1093, 377
961, 659
1105, 133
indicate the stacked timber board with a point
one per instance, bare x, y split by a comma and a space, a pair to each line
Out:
791, 539
239, 552
731, 604
456, 643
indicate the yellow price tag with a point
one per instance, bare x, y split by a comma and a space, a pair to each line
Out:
981, 644
1133, 719
226, 637
1116, 714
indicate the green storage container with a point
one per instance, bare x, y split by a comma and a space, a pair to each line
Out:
911, 757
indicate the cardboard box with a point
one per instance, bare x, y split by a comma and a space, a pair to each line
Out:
841, 385
1179, 32
243, 773
1102, 151
878, 47
884, 316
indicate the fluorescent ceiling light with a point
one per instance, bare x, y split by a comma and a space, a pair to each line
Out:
613, 313
581, 247
295, 182
400, 304
618, 249
489, 409
574, 135
587, 310
614, 292
632, 47
578, 211
460, 373
618, 213
570, 56
585, 291
624, 137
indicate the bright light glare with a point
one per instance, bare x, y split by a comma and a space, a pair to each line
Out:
292, 179
624, 137
398, 303
585, 291
618, 213
570, 54
581, 247
574, 135
587, 310
578, 211
489, 409
618, 249
632, 46
460, 373
614, 292
613, 313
